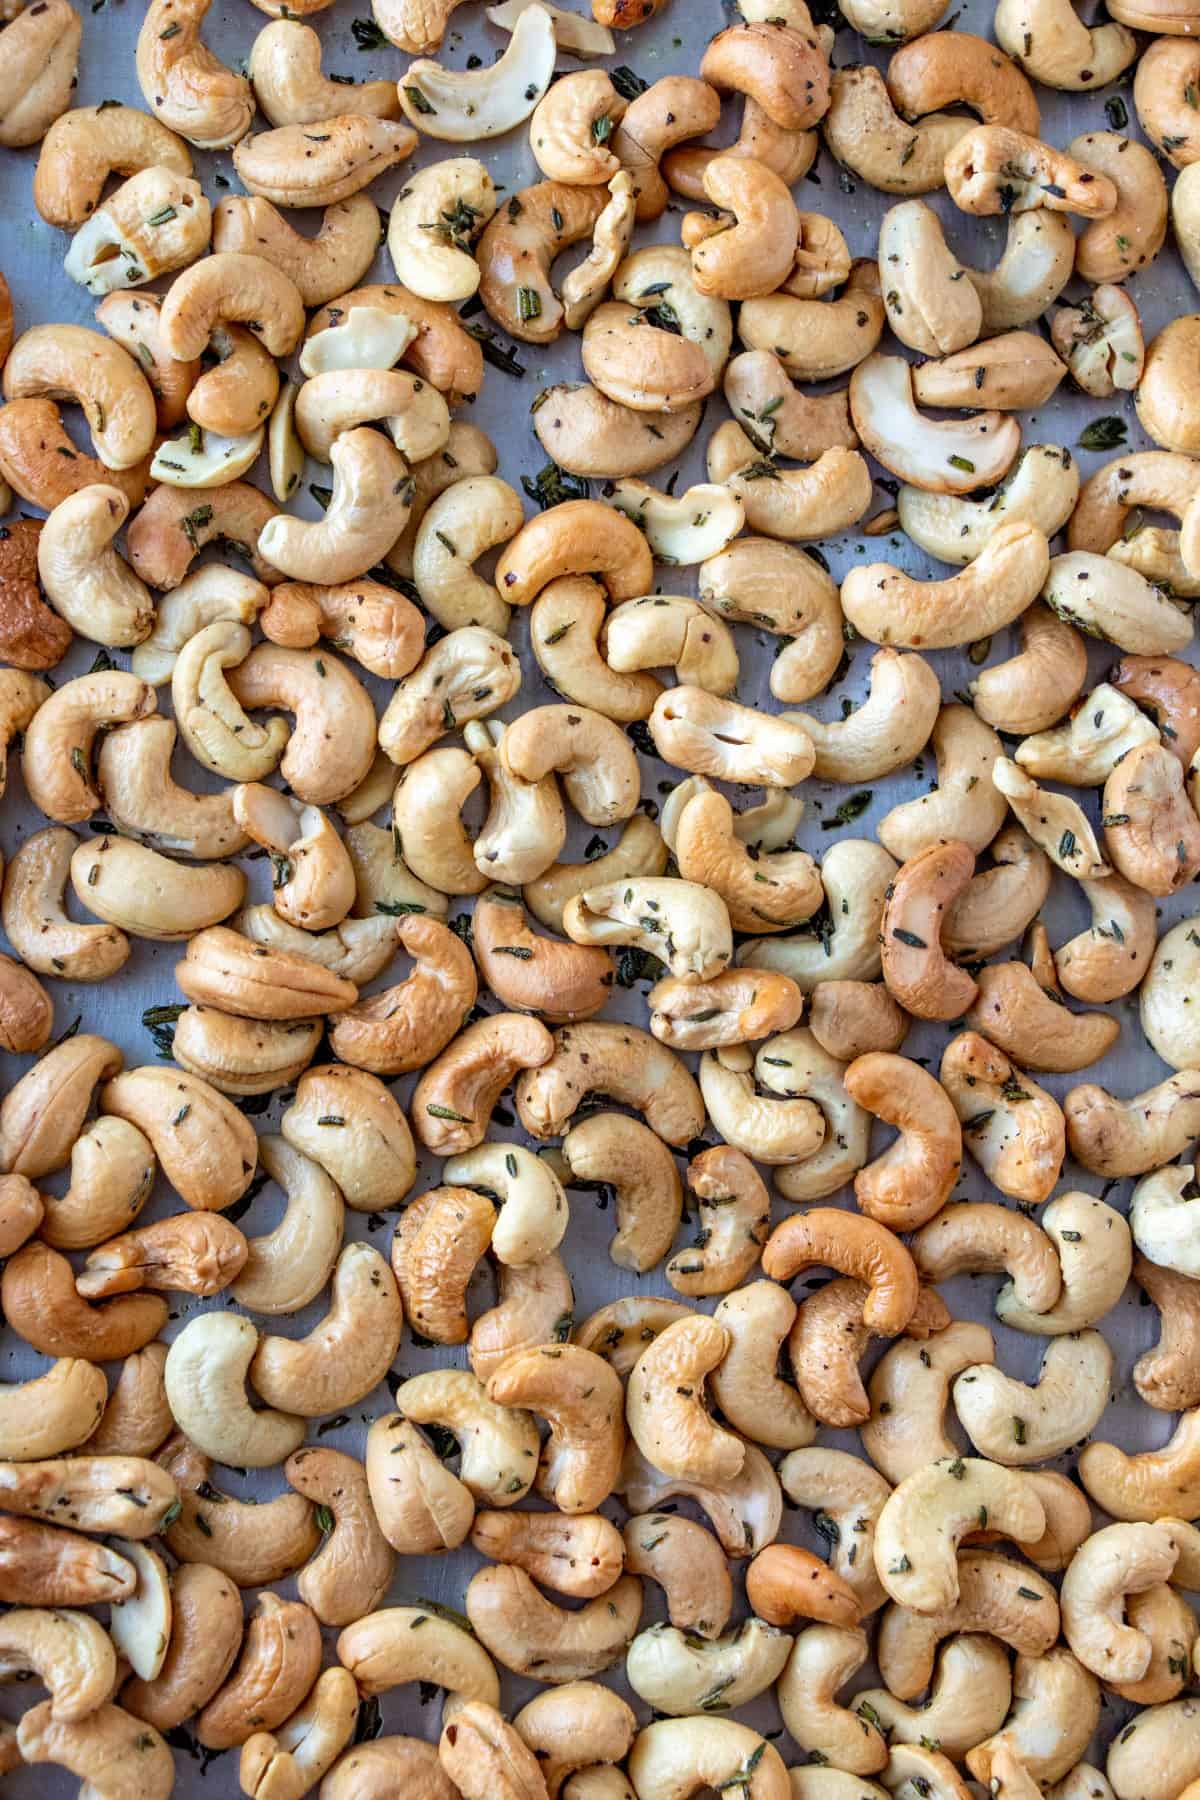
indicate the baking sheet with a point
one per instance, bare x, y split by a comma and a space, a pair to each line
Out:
672, 43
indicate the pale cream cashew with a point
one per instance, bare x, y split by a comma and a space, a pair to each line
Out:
867, 135
1083, 751
964, 805
322, 761
785, 1130
566, 624
779, 588
1016, 369
37, 925
52, 1412
1035, 689
822, 1660
640, 850
346, 1353
582, 1725
463, 106
213, 725
827, 497
498, 1444
983, 1236
1056, 823
947, 457
674, 1758
571, 129
419, 1506
779, 419
910, 1390
1115, 1564
687, 921
285, 72
1095, 1254
425, 820
148, 895
886, 731
678, 1673
1013, 1128
91, 586
588, 434
1015, 1423
594, 757
855, 874
1056, 1707
1114, 1137
886, 605
1104, 599
930, 306
847, 1495
365, 516
313, 882
204, 1375
1160, 1220
1156, 1751
709, 735
383, 1651
289, 1266
1163, 1376
969, 1696
1165, 1020
928, 1514
686, 528
210, 594
336, 400
745, 1383
469, 672
470, 518
356, 950
1042, 489
124, 1494
586, 285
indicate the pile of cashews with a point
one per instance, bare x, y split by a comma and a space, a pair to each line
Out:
790, 983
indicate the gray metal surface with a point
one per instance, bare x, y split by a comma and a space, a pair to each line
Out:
31, 258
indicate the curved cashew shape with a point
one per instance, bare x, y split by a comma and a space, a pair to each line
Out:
1095, 1253
110, 1751
1013, 1128
1115, 1564
581, 1554
371, 495
822, 1660
205, 1374
1148, 1485
675, 1672
665, 1404
461, 106
92, 587
344, 1356
912, 1179
745, 1384
528, 1633
735, 1210
38, 928
285, 71
981, 1236
1042, 489
885, 604
676, 1757
1016, 1423
910, 1390
944, 457
855, 1246
931, 1511
581, 1461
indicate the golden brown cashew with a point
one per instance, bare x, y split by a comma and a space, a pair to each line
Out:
867, 135
485, 1755
581, 1397
1027, 1020
407, 1026
1165, 1376
51, 1412
785, 1584
40, 73
618, 1060
453, 1101
352, 151
197, 1253
41, 1565
580, 1554
279, 1659
184, 84
21, 1212
374, 1771
37, 925
342, 250
827, 1238
995, 168
574, 538
111, 1751
829, 1337
778, 417
609, 1148
206, 1631
42, 1115
665, 1404
913, 1178
915, 967
207, 1148
87, 145
285, 71
667, 113
250, 1544
60, 735
133, 320
42, 1306
580, 1726
736, 1008
351, 1572
982, 1236
39, 460
419, 1505
952, 68
529, 1634
32, 635
886, 605
561, 982
910, 1391
440, 1238
520, 245
137, 1420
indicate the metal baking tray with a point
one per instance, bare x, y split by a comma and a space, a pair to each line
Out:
671, 43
